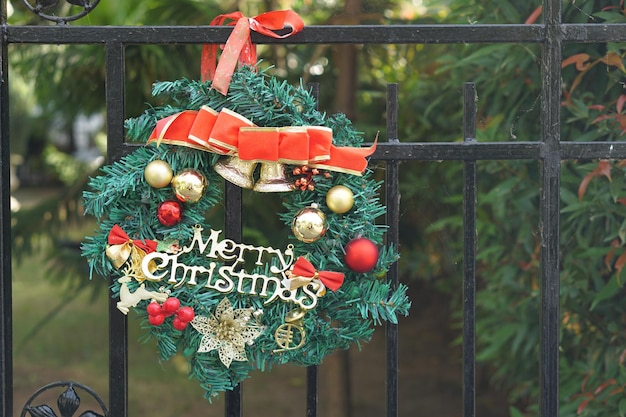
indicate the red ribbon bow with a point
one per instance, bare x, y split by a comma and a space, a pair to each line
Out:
229, 133
305, 269
121, 246
239, 46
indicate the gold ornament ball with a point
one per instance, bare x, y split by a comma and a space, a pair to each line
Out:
309, 224
158, 174
339, 199
189, 185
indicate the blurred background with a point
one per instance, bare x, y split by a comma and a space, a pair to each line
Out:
58, 140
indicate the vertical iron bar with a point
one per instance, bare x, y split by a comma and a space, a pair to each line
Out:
233, 197
549, 211
312, 371
469, 256
6, 315
312, 379
393, 220
118, 324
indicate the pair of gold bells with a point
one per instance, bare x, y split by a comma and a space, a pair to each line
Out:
272, 178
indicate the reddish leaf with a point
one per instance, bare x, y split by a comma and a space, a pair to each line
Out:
596, 107
603, 169
619, 264
581, 61
582, 406
613, 59
622, 357
603, 117
532, 18
608, 259
621, 119
619, 106
583, 386
605, 384
582, 188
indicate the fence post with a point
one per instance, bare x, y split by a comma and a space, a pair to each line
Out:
6, 326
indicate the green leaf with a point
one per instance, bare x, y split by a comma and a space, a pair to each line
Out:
515, 412
610, 289
622, 407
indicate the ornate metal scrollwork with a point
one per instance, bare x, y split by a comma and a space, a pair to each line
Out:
67, 403
48, 9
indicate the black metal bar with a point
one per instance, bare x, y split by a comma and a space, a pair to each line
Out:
118, 324
393, 239
312, 388
6, 314
469, 256
233, 229
549, 210
361, 34
115, 98
438, 151
482, 151
378, 34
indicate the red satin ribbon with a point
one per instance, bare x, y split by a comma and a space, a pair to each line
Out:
117, 236
229, 133
239, 46
330, 279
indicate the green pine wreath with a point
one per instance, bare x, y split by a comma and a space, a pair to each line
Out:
121, 197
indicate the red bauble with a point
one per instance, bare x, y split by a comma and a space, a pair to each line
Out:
170, 213
171, 305
153, 308
156, 320
185, 314
361, 255
178, 324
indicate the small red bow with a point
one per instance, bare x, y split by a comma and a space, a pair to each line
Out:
121, 246
239, 47
305, 269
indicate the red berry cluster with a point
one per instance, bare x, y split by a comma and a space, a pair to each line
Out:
158, 312
306, 180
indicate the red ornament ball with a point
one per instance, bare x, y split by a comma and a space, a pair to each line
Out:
170, 213
156, 320
171, 305
361, 255
153, 308
178, 324
185, 314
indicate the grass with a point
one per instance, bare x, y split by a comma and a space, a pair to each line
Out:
73, 345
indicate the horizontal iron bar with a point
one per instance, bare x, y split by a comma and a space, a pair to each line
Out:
486, 151
370, 34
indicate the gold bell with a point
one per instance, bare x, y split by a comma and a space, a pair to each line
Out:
236, 171
272, 179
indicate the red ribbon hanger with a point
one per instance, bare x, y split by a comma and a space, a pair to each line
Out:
239, 46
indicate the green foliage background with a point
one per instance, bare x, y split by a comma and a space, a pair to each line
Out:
508, 80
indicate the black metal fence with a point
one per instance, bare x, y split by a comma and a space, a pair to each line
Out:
552, 34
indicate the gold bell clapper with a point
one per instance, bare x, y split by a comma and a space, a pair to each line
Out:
272, 179
235, 170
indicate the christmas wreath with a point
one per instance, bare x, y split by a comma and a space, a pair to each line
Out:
231, 307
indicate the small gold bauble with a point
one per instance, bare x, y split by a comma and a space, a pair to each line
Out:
339, 199
158, 174
189, 185
309, 224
